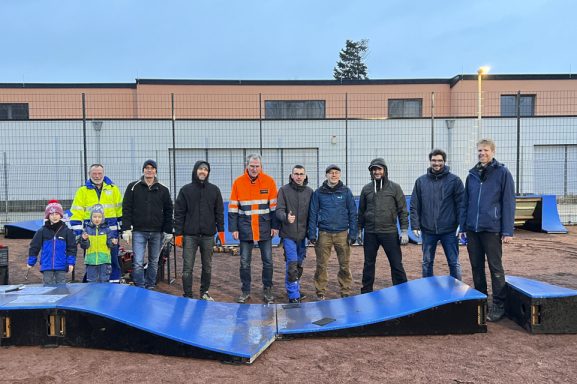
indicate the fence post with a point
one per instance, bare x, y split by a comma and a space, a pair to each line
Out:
347, 138
84, 136
5, 164
518, 113
260, 121
432, 120
173, 119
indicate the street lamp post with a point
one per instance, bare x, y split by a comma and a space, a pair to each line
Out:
480, 72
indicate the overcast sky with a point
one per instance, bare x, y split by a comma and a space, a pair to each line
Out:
75, 41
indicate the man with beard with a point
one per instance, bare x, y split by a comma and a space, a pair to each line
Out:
198, 216
381, 203
292, 211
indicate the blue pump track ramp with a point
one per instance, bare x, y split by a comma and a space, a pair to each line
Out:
122, 317
433, 305
540, 307
127, 318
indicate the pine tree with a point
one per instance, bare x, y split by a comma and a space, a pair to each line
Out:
350, 65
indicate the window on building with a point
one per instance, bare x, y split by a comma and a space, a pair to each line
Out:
14, 111
405, 108
294, 109
509, 105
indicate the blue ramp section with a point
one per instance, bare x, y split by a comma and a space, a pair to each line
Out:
240, 332
402, 309
26, 229
541, 307
538, 289
550, 221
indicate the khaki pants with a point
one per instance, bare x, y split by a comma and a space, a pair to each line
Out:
323, 248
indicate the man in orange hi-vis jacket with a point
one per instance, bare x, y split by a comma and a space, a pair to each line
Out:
251, 219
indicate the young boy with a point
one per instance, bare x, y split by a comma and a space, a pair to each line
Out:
56, 244
97, 240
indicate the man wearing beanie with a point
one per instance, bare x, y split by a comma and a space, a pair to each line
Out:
56, 244
198, 216
334, 213
382, 202
147, 222
99, 189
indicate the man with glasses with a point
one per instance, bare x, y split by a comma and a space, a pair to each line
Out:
334, 213
436, 207
252, 219
381, 204
293, 212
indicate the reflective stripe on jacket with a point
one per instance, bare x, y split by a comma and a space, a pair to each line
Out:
252, 206
86, 196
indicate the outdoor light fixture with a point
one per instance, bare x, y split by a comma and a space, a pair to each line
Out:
333, 139
480, 72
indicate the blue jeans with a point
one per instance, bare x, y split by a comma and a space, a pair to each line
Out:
450, 244
139, 242
295, 253
98, 273
115, 272
245, 260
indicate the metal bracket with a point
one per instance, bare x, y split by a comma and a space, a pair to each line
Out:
56, 325
6, 330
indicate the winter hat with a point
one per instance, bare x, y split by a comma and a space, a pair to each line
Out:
97, 208
203, 164
53, 207
331, 167
149, 162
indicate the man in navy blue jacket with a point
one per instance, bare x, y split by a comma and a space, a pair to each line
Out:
334, 212
488, 220
436, 205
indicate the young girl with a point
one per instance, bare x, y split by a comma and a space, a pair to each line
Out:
56, 244
97, 240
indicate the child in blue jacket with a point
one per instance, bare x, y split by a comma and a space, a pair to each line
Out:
56, 244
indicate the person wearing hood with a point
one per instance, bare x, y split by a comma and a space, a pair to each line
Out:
147, 222
292, 212
382, 202
97, 240
334, 213
488, 220
436, 208
99, 189
198, 216
252, 219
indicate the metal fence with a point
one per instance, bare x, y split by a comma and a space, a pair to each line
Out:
46, 153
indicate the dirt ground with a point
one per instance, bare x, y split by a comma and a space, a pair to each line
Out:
505, 354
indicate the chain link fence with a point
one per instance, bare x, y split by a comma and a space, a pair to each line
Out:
50, 139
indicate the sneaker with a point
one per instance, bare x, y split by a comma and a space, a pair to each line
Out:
496, 313
302, 296
267, 295
206, 296
243, 298
188, 296
343, 295
320, 297
294, 301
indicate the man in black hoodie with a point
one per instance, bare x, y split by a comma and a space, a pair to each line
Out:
198, 216
381, 203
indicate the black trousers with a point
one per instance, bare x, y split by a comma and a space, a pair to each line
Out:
489, 245
392, 246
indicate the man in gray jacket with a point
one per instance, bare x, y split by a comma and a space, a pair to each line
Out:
381, 203
292, 211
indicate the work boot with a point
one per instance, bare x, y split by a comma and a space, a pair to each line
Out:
294, 301
206, 296
243, 298
188, 295
267, 295
496, 313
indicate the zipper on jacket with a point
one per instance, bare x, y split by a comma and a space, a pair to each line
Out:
478, 207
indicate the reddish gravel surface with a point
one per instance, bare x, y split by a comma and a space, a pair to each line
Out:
505, 354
